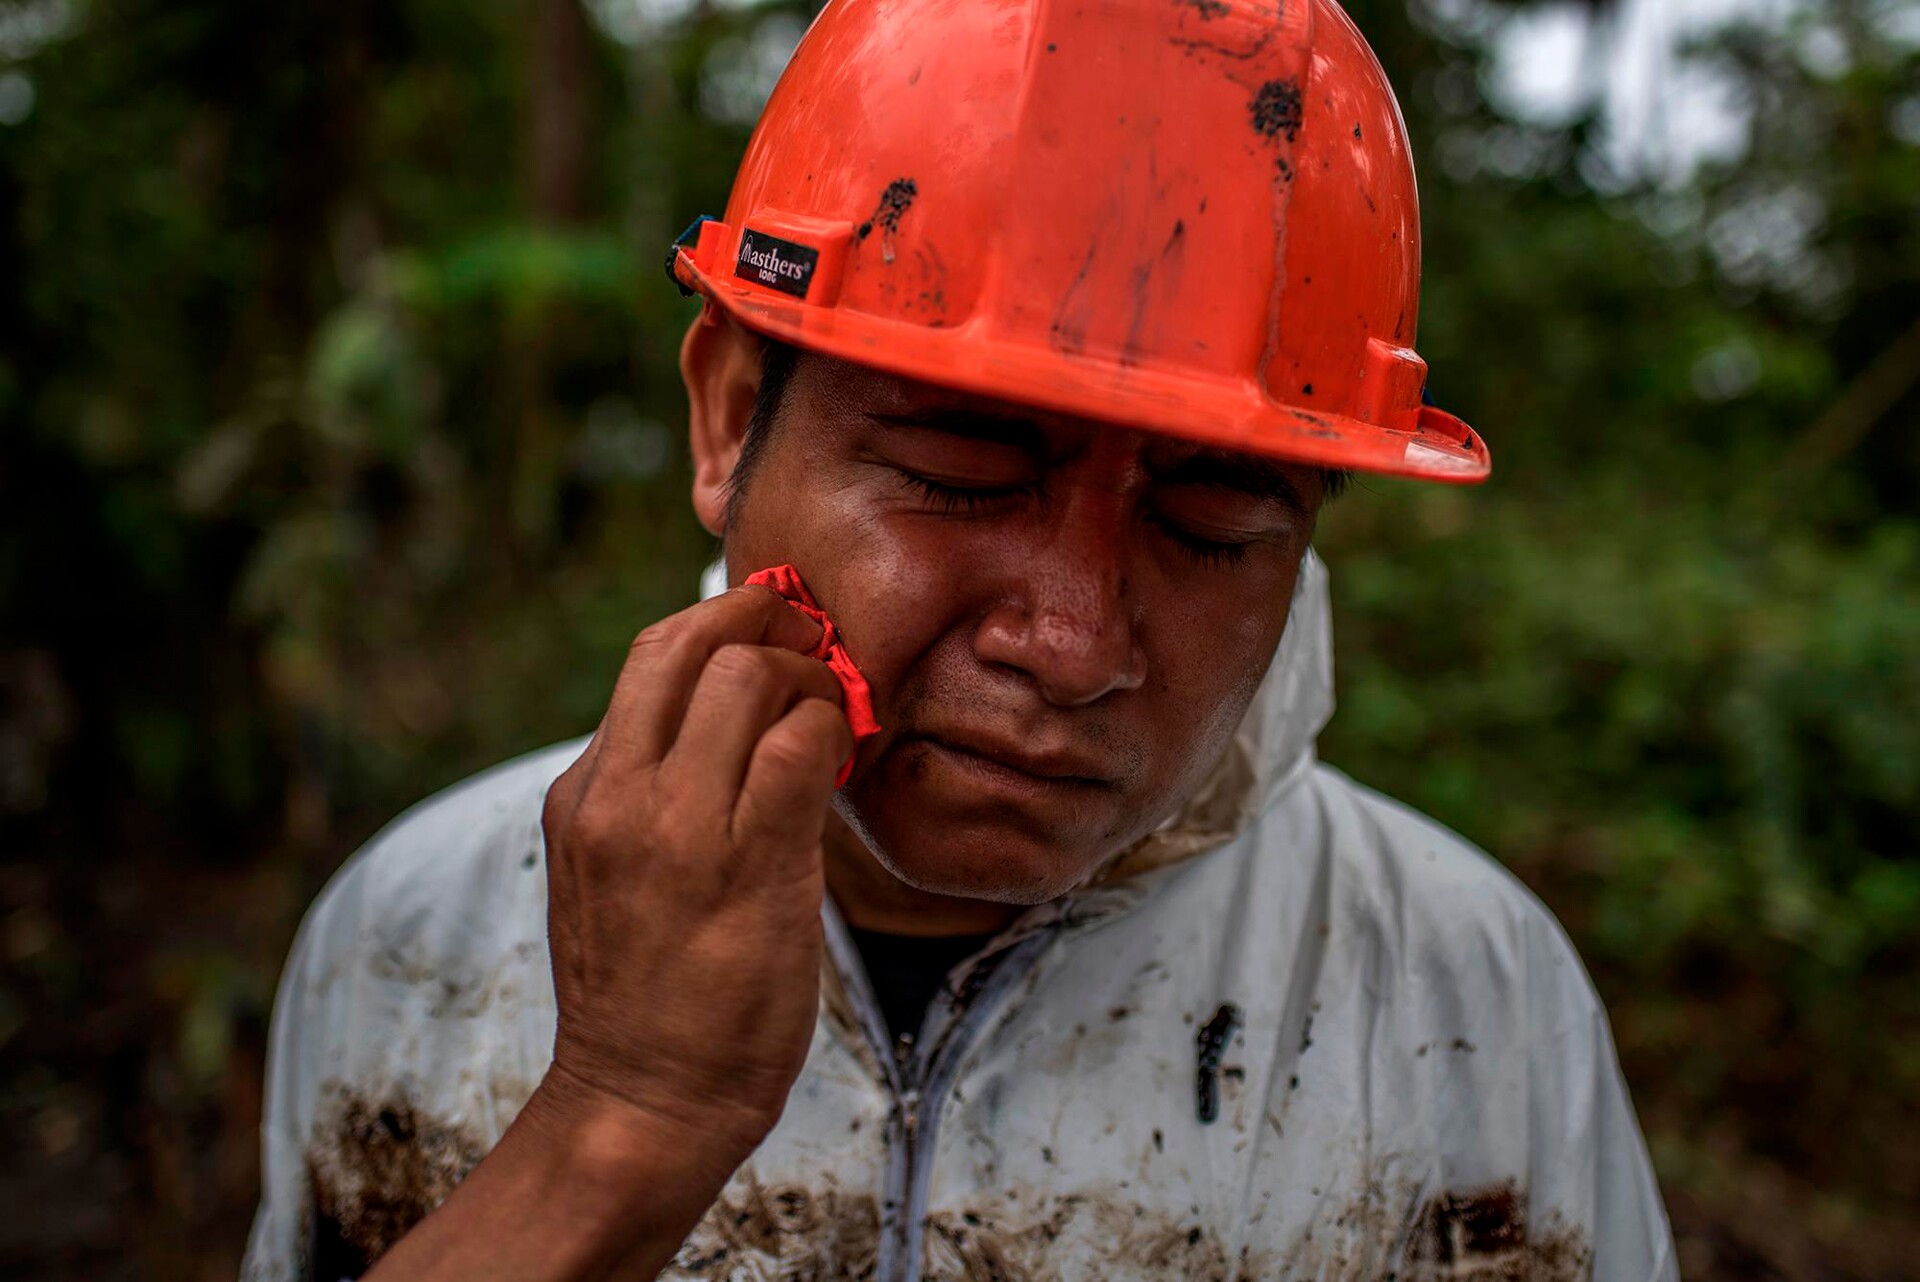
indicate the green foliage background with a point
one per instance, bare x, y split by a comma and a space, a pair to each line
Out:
341, 454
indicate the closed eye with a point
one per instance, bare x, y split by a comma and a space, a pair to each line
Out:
1205, 551
964, 500
968, 500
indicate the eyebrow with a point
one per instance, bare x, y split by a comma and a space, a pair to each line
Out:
1250, 474
969, 424
1242, 473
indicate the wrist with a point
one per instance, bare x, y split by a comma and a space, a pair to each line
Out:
712, 1121
582, 1186
637, 1166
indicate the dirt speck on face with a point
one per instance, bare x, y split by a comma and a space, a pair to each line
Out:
782, 1231
378, 1166
1207, 9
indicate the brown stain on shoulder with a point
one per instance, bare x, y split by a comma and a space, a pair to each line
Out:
454, 991
784, 1231
378, 1166
1483, 1235
1034, 1236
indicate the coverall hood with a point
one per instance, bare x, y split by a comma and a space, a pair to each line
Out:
1273, 749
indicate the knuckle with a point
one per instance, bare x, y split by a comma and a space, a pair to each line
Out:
592, 826
756, 596
568, 812
742, 665
675, 834
671, 828
654, 639
558, 805
790, 751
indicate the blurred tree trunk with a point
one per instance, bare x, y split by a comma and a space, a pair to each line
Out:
557, 112
554, 140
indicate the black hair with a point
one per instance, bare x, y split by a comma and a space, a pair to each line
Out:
778, 361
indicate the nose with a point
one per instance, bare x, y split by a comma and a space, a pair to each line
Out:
1067, 621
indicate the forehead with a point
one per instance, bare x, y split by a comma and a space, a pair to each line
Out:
843, 385
838, 387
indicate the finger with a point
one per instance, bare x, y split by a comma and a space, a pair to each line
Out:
782, 807
744, 691
665, 661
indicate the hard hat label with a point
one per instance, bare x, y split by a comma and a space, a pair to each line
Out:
775, 263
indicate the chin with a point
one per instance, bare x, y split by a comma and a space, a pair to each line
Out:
969, 857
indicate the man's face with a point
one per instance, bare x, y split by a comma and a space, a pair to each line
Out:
1062, 621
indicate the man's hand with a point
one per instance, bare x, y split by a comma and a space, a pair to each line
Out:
684, 870
684, 885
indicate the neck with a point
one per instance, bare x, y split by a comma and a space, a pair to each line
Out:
872, 898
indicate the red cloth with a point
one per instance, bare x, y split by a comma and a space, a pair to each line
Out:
786, 580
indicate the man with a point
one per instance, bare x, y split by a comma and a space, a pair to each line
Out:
1035, 337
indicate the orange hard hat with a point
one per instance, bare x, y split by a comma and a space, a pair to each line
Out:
1195, 217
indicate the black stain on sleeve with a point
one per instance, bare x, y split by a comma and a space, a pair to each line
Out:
1212, 1041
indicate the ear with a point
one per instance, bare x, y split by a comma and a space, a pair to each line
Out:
720, 364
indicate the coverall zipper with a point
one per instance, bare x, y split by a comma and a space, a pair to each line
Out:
920, 1080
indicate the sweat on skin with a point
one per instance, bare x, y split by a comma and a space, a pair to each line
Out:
1099, 658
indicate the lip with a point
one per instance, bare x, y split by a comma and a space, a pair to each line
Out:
1056, 768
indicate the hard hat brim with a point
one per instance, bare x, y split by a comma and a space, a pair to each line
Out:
1226, 414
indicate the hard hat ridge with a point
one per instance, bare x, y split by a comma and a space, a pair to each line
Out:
1197, 217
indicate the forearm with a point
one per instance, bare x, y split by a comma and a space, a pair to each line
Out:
576, 1189
683, 917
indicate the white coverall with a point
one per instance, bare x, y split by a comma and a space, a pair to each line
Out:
1300, 1032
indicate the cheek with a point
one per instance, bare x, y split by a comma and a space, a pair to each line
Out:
1210, 655
896, 592
893, 587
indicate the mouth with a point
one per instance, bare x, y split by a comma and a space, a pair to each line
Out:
1021, 767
